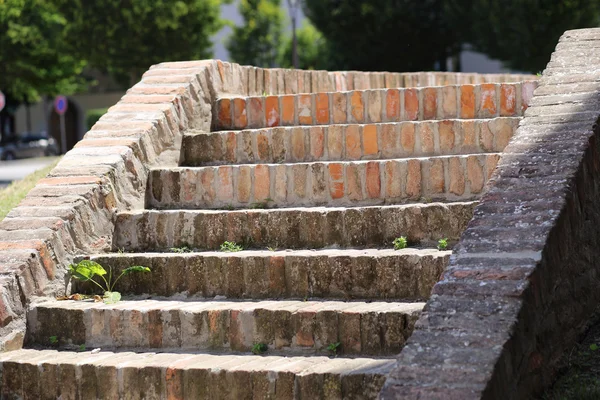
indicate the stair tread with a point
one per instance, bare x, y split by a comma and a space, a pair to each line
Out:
245, 305
316, 209
380, 160
348, 252
187, 360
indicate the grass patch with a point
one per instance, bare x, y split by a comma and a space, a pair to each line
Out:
14, 193
580, 378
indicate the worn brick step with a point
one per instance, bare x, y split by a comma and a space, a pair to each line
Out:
486, 100
51, 374
374, 274
348, 142
312, 228
292, 326
449, 178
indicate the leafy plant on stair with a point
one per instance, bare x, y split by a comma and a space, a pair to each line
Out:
87, 270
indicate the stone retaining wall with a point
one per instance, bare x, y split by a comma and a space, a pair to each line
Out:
524, 278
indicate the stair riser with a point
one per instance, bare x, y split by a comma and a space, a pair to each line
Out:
292, 228
333, 184
348, 142
302, 327
184, 380
407, 277
371, 106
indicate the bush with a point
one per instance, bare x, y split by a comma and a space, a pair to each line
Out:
92, 116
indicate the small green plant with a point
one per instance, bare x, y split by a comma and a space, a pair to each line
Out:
259, 348
333, 348
442, 244
539, 74
231, 247
229, 207
593, 347
87, 270
53, 340
82, 347
400, 243
182, 249
271, 248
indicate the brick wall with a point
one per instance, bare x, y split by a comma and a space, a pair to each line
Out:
524, 278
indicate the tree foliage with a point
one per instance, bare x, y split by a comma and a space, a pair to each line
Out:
125, 37
258, 41
376, 35
312, 49
34, 60
521, 33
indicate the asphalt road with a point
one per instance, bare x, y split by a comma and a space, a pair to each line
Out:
18, 169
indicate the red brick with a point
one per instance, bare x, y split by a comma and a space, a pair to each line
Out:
224, 184
413, 179
262, 145
392, 106
334, 142
298, 150
239, 113
508, 100
256, 112
244, 184
224, 113
370, 140
407, 137
70, 180
230, 147
374, 105
287, 110
357, 108
373, 180
305, 112
354, 181
353, 148
411, 104
429, 103
339, 108
487, 102
322, 105
317, 142
446, 136
336, 180
272, 110
262, 183
389, 140
467, 101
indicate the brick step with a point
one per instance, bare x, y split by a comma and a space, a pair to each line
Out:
291, 327
51, 374
349, 142
486, 100
443, 178
372, 274
312, 228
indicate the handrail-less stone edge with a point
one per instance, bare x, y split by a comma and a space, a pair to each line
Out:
73, 210
521, 284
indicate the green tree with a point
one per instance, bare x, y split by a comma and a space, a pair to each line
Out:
521, 33
33, 58
258, 41
376, 35
125, 37
312, 49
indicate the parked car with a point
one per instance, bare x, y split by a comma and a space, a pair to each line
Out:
27, 146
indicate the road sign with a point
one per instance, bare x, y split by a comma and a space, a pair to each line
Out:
2, 101
60, 105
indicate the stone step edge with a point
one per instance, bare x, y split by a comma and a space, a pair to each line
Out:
347, 142
376, 275
308, 227
30, 373
377, 105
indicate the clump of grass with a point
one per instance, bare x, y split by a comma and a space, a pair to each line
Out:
182, 249
231, 247
259, 348
400, 243
333, 348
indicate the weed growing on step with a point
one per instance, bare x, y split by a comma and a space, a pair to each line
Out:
333, 348
229, 207
231, 247
182, 249
271, 248
53, 340
400, 243
442, 244
81, 347
87, 270
259, 348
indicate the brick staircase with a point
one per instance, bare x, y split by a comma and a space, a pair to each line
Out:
315, 187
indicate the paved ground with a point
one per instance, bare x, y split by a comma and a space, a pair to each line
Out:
18, 169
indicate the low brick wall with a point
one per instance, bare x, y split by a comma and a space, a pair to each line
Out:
524, 278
